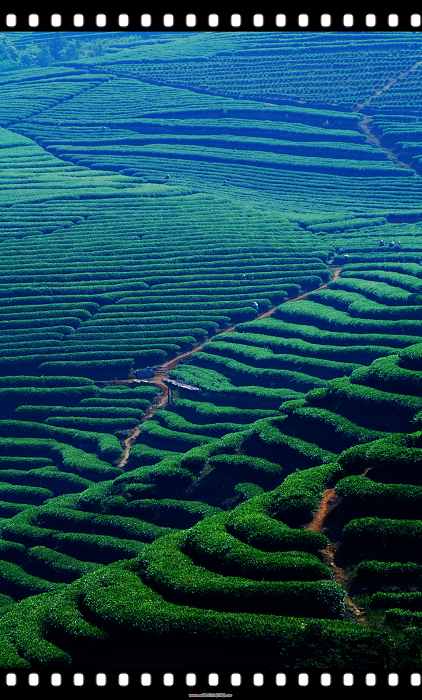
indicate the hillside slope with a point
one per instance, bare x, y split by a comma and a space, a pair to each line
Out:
210, 371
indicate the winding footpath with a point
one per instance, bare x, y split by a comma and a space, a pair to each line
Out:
372, 138
365, 123
392, 82
329, 501
161, 376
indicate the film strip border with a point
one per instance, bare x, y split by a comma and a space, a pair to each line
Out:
203, 21
202, 684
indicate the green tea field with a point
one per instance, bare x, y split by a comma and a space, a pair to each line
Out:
210, 350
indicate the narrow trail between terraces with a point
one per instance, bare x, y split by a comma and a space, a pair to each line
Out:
372, 138
392, 82
161, 375
366, 121
329, 501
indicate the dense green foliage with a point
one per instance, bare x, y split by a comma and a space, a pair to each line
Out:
246, 208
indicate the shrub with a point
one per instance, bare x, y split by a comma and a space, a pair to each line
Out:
261, 531
242, 467
403, 618
366, 405
327, 428
269, 442
315, 313
189, 582
93, 368
382, 538
406, 600
56, 566
386, 374
209, 544
376, 575
309, 331
168, 512
411, 358
306, 347
18, 583
156, 435
240, 373
295, 501
361, 496
394, 458
259, 357
105, 425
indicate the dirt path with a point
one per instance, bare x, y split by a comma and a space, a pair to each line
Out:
326, 505
387, 86
329, 501
366, 121
161, 375
160, 401
373, 138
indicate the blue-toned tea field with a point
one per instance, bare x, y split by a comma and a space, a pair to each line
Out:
210, 349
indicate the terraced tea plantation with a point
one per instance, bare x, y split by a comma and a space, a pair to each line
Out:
211, 351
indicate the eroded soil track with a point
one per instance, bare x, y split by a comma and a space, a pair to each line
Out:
329, 501
365, 123
161, 376
373, 138
359, 106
